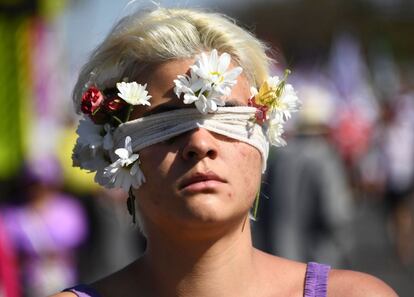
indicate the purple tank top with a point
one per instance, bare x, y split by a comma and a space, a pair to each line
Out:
316, 280
316, 283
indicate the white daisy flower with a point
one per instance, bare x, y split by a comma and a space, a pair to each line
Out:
287, 103
195, 92
90, 147
208, 82
133, 93
89, 159
213, 70
280, 98
274, 133
207, 105
89, 133
125, 171
189, 86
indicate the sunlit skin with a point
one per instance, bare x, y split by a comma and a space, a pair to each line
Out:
198, 232
233, 168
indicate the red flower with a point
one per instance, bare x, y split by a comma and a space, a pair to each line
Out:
91, 100
114, 104
261, 110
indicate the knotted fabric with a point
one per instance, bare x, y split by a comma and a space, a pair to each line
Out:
234, 122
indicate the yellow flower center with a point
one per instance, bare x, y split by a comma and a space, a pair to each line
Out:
219, 75
271, 96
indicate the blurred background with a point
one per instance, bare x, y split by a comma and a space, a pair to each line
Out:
341, 192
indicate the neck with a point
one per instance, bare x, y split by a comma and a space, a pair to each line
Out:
216, 266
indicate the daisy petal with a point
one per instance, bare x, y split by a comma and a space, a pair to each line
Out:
223, 63
233, 74
122, 153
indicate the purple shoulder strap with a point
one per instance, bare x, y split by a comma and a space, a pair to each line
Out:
316, 280
83, 291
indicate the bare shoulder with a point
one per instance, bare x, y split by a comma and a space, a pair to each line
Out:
357, 284
64, 294
341, 283
280, 276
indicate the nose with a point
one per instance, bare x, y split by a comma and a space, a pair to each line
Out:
200, 143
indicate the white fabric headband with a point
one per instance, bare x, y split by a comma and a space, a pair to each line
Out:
234, 122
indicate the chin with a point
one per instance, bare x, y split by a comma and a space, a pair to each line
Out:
212, 208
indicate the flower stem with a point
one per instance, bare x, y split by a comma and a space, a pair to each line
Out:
256, 204
96, 110
128, 113
287, 73
282, 83
117, 119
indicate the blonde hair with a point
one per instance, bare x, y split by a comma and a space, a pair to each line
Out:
146, 38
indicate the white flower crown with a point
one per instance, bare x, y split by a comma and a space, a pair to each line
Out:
209, 81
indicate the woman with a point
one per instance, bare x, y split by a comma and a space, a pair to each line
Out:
189, 91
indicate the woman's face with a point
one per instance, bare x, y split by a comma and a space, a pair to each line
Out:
198, 178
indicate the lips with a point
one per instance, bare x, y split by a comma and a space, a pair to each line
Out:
206, 179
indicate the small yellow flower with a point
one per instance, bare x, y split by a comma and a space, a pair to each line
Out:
271, 92
268, 95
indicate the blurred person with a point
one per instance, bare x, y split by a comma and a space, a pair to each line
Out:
349, 71
9, 283
310, 207
179, 111
356, 103
46, 229
388, 169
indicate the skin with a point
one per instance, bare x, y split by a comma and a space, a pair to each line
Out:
199, 241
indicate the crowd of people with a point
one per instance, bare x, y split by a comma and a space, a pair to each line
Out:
352, 143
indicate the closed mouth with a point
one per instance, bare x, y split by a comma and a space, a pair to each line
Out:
200, 177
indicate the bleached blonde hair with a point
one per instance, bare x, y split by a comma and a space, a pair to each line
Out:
149, 37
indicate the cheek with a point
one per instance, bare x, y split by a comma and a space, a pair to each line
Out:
249, 167
156, 160
156, 163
